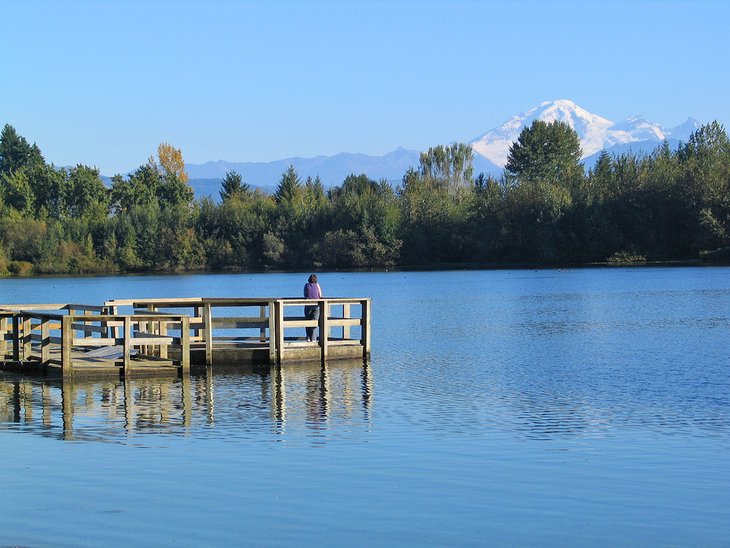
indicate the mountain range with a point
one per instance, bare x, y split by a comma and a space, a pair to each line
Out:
491, 150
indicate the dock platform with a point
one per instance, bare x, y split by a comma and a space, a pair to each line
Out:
169, 336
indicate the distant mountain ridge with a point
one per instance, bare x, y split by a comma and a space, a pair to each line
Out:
332, 170
491, 150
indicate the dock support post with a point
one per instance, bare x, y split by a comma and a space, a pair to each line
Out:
366, 328
67, 338
185, 345
208, 333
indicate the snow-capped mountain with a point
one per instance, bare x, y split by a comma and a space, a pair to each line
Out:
595, 132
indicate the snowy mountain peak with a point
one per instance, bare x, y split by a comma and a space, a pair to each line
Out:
684, 130
595, 132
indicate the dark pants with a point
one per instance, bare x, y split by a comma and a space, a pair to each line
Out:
311, 313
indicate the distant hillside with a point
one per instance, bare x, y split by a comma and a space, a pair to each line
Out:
332, 170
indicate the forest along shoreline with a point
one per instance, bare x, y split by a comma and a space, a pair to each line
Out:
670, 207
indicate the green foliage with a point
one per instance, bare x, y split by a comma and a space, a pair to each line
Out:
289, 192
49, 187
233, 185
140, 188
668, 205
365, 213
85, 192
447, 168
17, 192
15, 152
545, 151
433, 222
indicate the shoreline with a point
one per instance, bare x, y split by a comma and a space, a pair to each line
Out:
399, 268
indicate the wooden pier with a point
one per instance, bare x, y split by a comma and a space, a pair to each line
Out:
159, 336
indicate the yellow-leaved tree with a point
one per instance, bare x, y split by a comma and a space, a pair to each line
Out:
171, 161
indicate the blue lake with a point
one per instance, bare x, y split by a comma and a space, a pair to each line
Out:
581, 407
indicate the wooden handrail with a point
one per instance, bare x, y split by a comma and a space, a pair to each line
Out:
148, 324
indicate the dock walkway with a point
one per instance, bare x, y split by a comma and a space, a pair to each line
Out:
158, 336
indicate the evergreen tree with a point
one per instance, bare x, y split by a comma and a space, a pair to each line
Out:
233, 185
16, 152
289, 190
548, 151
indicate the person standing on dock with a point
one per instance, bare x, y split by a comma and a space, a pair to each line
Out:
311, 312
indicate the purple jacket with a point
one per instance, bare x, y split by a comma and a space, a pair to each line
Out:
312, 291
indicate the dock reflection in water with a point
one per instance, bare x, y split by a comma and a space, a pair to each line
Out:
241, 401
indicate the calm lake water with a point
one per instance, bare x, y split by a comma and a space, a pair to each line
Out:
582, 407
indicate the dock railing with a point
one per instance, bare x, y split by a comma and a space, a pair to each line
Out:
211, 331
14, 332
226, 323
340, 314
220, 330
58, 338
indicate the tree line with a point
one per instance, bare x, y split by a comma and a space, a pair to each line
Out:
672, 204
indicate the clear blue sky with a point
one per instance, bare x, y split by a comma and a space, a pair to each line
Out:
104, 82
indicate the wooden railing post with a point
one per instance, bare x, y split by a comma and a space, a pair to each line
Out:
45, 342
127, 357
27, 337
324, 329
272, 332
163, 333
16, 337
346, 315
365, 330
149, 327
185, 344
67, 338
279, 330
262, 330
3, 333
208, 331
197, 314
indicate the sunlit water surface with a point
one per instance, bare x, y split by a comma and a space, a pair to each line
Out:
583, 407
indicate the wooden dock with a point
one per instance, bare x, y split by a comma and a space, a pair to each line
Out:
168, 336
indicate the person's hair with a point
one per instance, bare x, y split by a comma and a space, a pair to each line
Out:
313, 279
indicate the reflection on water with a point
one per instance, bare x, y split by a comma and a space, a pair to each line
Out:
309, 397
587, 407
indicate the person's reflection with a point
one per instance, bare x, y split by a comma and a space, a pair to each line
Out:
315, 398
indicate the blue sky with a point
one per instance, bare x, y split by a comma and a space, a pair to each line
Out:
103, 83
